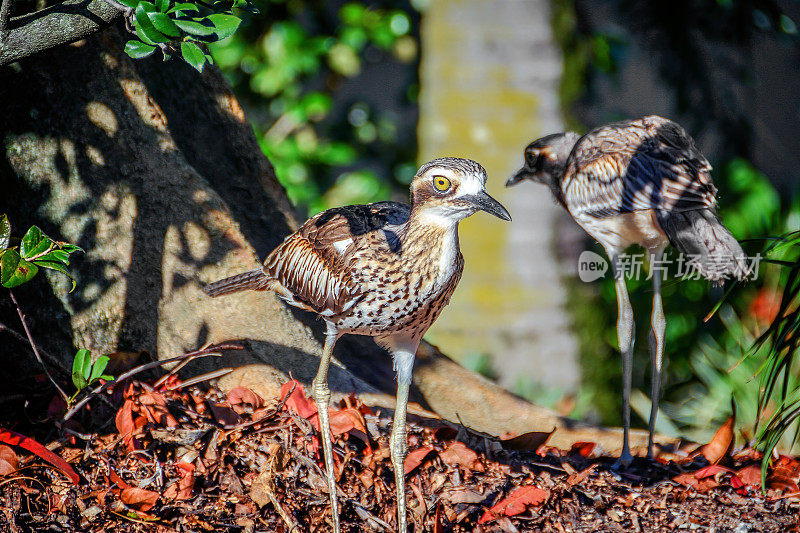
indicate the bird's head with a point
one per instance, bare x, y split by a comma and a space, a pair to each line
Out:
546, 159
449, 189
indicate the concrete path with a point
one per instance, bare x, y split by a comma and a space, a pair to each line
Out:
489, 76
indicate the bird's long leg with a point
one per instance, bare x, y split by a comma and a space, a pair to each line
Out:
658, 325
322, 395
403, 353
625, 329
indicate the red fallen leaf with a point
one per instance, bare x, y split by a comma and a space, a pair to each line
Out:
118, 481
243, 399
183, 488
738, 485
785, 474
15, 439
527, 442
9, 462
124, 418
416, 458
584, 449
721, 443
297, 401
225, 415
155, 408
750, 475
458, 454
704, 479
710, 471
346, 419
138, 499
516, 502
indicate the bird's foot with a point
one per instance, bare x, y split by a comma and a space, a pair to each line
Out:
623, 463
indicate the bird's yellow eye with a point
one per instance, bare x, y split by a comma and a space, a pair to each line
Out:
440, 183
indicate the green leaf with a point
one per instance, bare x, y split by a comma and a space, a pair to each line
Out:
69, 248
58, 267
145, 29
183, 6
193, 55
138, 49
77, 368
86, 369
5, 232
162, 5
98, 368
14, 270
35, 243
164, 24
193, 27
225, 25
56, 256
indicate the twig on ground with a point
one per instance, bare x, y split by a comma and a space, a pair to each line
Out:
204, 377
33, 346
192, 355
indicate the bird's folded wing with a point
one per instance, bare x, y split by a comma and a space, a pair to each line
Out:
314, 265
634, 166
311, 267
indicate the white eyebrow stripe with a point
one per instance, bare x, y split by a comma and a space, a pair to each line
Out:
470, 185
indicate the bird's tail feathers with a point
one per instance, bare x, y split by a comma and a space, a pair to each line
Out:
708, 245
252, 280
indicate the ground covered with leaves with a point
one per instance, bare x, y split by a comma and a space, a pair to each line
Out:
170, 456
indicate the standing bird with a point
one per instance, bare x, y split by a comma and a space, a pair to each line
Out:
638, 182
385, 270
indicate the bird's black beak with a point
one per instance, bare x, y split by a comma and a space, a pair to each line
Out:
516, 178
486, 203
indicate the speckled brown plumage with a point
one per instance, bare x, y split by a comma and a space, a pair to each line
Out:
385, 270
367, 269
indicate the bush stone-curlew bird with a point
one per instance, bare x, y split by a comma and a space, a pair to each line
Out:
385, 270
638, 182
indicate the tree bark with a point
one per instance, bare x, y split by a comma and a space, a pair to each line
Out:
153, 169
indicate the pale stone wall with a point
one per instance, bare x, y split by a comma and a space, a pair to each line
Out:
489, 78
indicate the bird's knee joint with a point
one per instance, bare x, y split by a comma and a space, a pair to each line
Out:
322, 393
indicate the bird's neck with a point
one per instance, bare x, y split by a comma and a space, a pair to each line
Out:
431, 242
554, 183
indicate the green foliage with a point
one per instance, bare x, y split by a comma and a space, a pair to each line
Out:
85, 372
288, 64
181, 27
19, 264
780, 386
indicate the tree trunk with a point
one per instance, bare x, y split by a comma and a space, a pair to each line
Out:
153, 169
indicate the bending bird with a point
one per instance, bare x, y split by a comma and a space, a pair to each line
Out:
385, 270
638, 182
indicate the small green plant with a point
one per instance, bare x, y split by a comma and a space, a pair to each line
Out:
19, 264
86, 373
180, 27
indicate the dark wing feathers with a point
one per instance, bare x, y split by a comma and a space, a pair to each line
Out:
637, 165
314, 264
